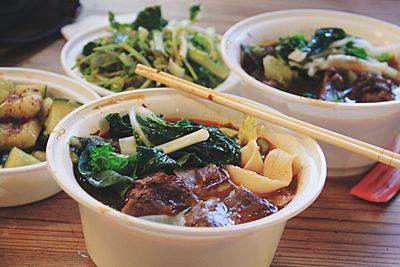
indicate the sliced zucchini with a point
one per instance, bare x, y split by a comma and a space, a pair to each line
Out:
59, 109
6, 85
18, 158
19, 135
42, 88
3, 95
40, 155
46, 106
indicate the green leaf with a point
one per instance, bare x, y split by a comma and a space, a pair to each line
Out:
384, 57
150, 18
357, 52
104, 178
115, 24
288, 44
119, 126
103, 158
150, 160
322, 38
89, 48
194, 12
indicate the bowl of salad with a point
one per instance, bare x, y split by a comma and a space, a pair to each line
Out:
327, 68
32, 102
160, 172
105, 58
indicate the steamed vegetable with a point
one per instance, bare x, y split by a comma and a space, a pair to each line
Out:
27, 117
181, 48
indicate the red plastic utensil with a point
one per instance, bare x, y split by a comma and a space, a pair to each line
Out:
381, 184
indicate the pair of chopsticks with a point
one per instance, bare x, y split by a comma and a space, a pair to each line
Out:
370, 151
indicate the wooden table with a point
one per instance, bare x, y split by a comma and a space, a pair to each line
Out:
337, 230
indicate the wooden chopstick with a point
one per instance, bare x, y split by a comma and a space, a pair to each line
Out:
300, 122
348, 143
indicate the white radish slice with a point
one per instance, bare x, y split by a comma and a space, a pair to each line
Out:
127, 145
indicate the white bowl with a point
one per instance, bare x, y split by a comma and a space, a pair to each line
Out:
375, 123
23, 185
116, 239
72, 50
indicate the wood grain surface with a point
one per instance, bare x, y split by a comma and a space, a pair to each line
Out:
337, 230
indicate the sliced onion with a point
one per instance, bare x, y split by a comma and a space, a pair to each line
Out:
127, 145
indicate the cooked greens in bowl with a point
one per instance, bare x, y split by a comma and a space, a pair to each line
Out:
186, 172
178, 47
332, 65
28, 114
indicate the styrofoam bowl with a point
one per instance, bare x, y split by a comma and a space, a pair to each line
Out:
27, 184
116, 239
72, 50
375, 123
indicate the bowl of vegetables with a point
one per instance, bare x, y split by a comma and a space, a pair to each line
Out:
32, 102
324, 67
105, 58
160, 172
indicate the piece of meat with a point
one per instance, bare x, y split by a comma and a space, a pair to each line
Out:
159, 194
245, 206
188, 176
371, 88
210, 213
212, 181
332, 83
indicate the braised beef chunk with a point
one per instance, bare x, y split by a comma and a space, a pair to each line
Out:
188, 176
245, 206
209, 181
332, 84
210, 213
158, 194
372, 88
212, 181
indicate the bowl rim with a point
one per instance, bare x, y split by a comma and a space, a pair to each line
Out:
4, 70
244, 24
75, 41
83, 198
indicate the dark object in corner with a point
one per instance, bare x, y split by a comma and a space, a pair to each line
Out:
28, 21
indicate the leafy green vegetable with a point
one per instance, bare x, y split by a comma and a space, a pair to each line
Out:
384, 57
322, 38
194, 12
102, 167
351, 50
114, 23
288, 44
151, 160
105, 178
110, 62
103, 158
217, 149
150, 18
89, 48
119, 126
